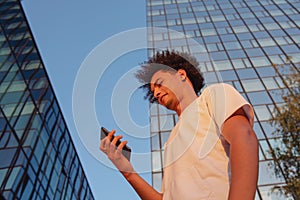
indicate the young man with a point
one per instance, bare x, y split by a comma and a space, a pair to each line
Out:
212, 152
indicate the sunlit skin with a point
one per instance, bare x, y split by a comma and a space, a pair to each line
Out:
173, 90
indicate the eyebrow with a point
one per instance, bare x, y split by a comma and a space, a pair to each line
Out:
155, 83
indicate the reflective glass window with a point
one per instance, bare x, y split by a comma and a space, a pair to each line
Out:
217, 56
188, 20
159, 23
166, 122
157, 180
240, 29
164, 136
267, 192
156, 161
222, 65
155, 142
266, 174
266, 71
14, 176
252, 85
258, 131
2, 174
288, 49
260, 61
254, 52
273, 50
210, 77
232, 45
211, 39
233, 54
8, 154
228, 75
246, 73
265, 148
238, 63
246, 44
153, 109
154, 124
266, 42
257, 98
212, 47
270, 83
262, 113
208, 32
229, 37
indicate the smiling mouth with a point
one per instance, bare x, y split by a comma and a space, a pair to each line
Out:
162, 98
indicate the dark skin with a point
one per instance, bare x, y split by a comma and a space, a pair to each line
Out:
243, 144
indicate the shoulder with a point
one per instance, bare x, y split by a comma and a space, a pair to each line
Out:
218, 87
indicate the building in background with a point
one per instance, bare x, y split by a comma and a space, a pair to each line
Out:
246, 41
38, 159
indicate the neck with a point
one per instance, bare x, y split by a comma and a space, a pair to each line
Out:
188, 97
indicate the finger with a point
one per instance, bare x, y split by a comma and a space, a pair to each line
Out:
104, 144
120, 147
102, 147
111, 146
115, 140
110, 134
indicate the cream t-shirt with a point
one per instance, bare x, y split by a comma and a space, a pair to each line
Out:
196, 155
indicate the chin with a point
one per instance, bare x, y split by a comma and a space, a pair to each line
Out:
169, 106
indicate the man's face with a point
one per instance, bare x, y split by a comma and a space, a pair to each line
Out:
166, 88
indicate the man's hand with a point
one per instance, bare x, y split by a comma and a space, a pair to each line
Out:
114, 153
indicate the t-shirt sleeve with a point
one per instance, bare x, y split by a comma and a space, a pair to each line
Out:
223, 100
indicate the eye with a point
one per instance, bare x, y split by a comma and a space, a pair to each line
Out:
159, 84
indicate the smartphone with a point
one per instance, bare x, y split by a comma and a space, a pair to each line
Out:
126, 151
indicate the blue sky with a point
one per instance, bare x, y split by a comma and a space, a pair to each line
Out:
66, 33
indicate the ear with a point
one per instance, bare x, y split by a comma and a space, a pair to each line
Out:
182, 74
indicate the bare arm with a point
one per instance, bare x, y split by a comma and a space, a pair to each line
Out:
243, 156
142, 188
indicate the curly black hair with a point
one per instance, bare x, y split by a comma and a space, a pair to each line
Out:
169, 61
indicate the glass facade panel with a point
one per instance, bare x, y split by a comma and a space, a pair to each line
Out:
252, 85
32, 164
246, 41
156, 161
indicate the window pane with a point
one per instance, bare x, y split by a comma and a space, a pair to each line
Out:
164, 137
156, 161
155, 142
246, 73
266, 174
262, 113
154, 124
222, 65
260, 61
257, 98
157, 181
252, 85
232, 45
270, 83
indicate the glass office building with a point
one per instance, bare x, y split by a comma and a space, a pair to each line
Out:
37, 157
247, 42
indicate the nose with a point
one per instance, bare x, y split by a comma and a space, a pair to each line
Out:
156, 92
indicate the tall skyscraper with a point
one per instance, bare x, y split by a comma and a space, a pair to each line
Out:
37, 156
246, 41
